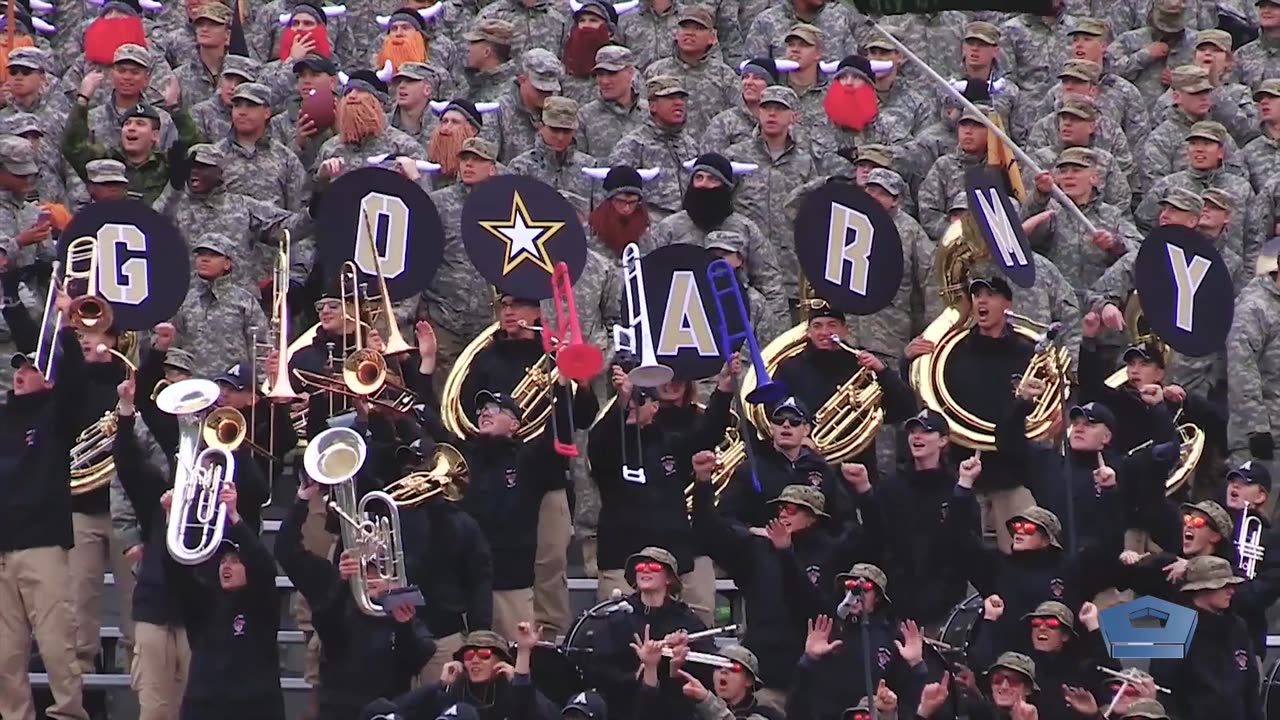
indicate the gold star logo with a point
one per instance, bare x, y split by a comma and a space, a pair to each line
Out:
525, 238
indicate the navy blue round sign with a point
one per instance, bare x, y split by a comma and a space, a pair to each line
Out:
848, 248
1185, 290
1000, 224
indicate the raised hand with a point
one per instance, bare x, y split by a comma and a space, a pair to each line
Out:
451, 671
527, 635
693, 687
992, 607
648, 650
1080, 700
886, 700
934, 696
818, 642
163, 336
1088, 616
704, 465
970, 469
228, 495
1112, 317
126, 392
1175, 394
1104, 477
911, 647
1022, 710
1151, 394
856, 475
778, 534
1090, 324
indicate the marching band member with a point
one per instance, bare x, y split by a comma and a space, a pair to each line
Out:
236, 390
335, 335
364, 657
235, 658
738, 692
1008, 688
39, 425
529, 701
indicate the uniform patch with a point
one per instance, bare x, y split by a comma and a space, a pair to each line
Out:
1242, 659
883, 656
1057, 587
669, 464
815, 574
511, 477
942, 511
237, 625
815, 478
31, 437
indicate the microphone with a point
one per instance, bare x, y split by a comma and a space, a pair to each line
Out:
850, 605
615, 604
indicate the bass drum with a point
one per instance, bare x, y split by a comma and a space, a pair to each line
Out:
562, 670
957, 631
1271, 693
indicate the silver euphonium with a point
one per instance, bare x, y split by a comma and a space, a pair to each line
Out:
333, 458
1249, 542
197, 519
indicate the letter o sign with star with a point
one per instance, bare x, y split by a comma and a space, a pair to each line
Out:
1185, 290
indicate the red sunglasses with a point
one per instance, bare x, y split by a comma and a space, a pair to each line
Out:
787, 508
1024, 527
858, 715
1005, 678
652, 567
1129, 689
858, 584
473, 653
1195, 521
1049, 622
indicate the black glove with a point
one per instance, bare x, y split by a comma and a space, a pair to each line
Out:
1262, 446
179, 166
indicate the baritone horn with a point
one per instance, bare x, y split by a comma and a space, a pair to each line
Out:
446, 476
333, 458
197, 518
1249, 542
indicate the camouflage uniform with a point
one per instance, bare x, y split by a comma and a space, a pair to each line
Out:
649, 34
49, 105
1258, 61
597, 293
1254, 365
1113, 184
766, 36
266, 170
490, 85
1165, 152
263, 33
457, 300
18, 214
1034, 49
220, 320
1132, 61
1262, 161
212, 115
147, 179
1233, 106
666, 148
602, 124
1115, 161
56, 181
1242, 227
1203, 14
936, 38
764, 271
75, 72
390, 141
545, 25
812, 121
1121, 16
562, 171
106, 120
729, 127
283, 129
711, 84
1068, 244
944, 180
516, 126
1122, 102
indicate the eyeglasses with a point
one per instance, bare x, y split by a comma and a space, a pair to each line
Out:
787, 508
651, 567
1129, 689
1006, 678
323, 305
858, 584
1047, 622
1025, 528
735, 667
1195, 521
787, 421
858, 715
473, 653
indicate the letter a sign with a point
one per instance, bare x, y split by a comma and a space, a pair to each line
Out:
1185, 289
848, 248
1000, 225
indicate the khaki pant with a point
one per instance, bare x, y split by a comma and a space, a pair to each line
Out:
88, 561
158, 673
445, 648
510, 608
34, 600
699, 591
999, 506
551, 564
317, 541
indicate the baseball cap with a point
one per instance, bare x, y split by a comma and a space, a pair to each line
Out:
543, 69
780, 95
317, 63
1075, 156
17, 156
459, 711
810, 34
28, 57
890, 180
613, 58
239, 65
929, 420
497, 32
1094, 413
699, 14
1183, 199
130, 53
179, 359
994, 283
105, 170
789, 405
414, 71
253, 92
560, 112
726, 240
217, 242
589, 704
1207, 130
983, 32
207, 154
1141, 351
18, 359
1191, 79
215, 11
489, 397
478, 146
1252, 473
664, 85
237, 376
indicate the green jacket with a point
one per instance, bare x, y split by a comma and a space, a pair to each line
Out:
147, 179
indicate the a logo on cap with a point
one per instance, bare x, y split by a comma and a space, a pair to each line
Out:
237, 625
1057, 587
525, 238
452, 711
580, 699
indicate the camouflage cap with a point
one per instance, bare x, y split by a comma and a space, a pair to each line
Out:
743, 657
979, 116
29, 57
1085, 70
876, 154
866, 571
1210, 130
130, 53
543, 69
497, 32
1219, 519
809, 34
878, 41
1220, 39
1097, 27
481, 148
664, 85
806, 495
982, 32
1183, 199
484, 639
959, 202
1145, 708
20, 123
726, 240
241, 66
1270, 86
207, 154
1080, 106
1168, 15
888, 179
179, 359
779, 95
1044, 518
560, 112
1190, 79
1219, 197
105, 170
659, 555
215, 11
1081, 156
1054, 609
1209, 572
699, 14
17, 156
613, 58
253, 92
217, 242
1015, 662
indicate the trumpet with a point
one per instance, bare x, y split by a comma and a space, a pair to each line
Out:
1249, 542
199, 476
333, 458
447, 476
649, 373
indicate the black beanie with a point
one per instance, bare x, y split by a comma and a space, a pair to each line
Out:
717, 165
623, 179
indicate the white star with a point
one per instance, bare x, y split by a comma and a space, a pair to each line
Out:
522, 238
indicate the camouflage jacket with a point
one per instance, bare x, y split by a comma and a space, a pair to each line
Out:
18, 214
1262, 160
835, 20
1034, 49
263, 33
1113, 183
581, 90
649, 34
1123, 16
1106, 136
1132, 60
266, 170
513, 128
1122, 102
153, 93
918, 300
57, 181
1065, 241
597, 293
602, 124
1233, 106
711, 84
1166, 151
255, 225
543, 25
458, 298
762, 195
197, 82
729, 127
52, 109
763, 270
147, 179
650, 146
1258, 60
420, 131
1243, 227
944, 180
561, 171
213, 118
218, 324
936, 38
284, 131
490, 85
106, 120
353, 155
1253, 358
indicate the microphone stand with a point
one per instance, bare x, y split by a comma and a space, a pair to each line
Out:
852, 607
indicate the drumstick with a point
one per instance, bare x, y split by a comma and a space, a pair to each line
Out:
701, 658
712, 631
945, 647
1128, 676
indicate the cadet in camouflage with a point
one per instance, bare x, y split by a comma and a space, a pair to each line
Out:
1262, 155
1259, 60
520, 110
1165, 153
1254, 391
1146, 56
616, 108
709, 82
221, 320
553, 159
489, 67
662, 142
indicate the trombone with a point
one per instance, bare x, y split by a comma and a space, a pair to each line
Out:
88, 312
395, 343
199, 476
364, 370
649, 373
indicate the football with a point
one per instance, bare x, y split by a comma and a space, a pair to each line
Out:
318, 105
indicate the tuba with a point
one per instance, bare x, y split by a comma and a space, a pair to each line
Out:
333, 458
959, 249
92, 464
532, 393
197, 519
446, 476
849, 420
730, 453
